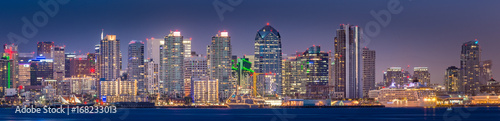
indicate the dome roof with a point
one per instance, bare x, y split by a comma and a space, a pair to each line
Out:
262, 33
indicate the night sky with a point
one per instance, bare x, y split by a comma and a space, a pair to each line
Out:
425, 33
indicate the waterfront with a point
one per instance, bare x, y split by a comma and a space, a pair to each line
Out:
281, 114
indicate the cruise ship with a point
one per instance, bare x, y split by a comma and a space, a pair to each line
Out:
410, 96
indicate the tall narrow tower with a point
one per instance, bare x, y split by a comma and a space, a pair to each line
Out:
470, 60
268, 55
348, 62
219, 63
135, 66
172, 61
110, 58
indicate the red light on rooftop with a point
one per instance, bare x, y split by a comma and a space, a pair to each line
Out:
152, 38
267, 23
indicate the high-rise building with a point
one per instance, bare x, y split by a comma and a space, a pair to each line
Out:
348, 62
422, 74
41, 69
45, 49
5, 74
81, 66
219, 63
368, 71
10, 50
470, 60
135, 68
24, 68
268, 54
451, 79
59, 62
152, 77
486, 73
293, 74
315, 63
205, 90
110, 58
154, 49
67, 62
194, 67
187, 47
393, 75
172, 62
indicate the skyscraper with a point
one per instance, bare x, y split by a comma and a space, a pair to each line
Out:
422, 74
154, 49
24, 68
451, 79
219, 63
315, 63
470, 60
59, 62
151, 81
394, 75
172, 62
293, 74
194, 67
268, 54
348, 62
109, 58
5, 74
10, 50
41, 69
368, 71
135, 67
45, 49
486, 73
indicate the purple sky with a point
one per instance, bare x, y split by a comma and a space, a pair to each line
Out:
425, 33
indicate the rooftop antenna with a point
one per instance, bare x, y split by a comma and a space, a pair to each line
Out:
102, 34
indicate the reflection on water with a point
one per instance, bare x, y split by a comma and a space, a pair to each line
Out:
474, 113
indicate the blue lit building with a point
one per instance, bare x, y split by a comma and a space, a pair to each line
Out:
41, 69
268, 57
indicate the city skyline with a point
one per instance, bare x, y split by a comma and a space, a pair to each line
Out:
401, 37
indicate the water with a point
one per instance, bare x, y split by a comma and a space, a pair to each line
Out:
326, 114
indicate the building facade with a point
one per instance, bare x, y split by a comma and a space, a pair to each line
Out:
422, 74
172, 62
368, 71
109, 58
41, 69
470, 60
45, 49
219, 63
268, 55
59, 62
135, 67
348, 62
451, 79
194, 67
205, 90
